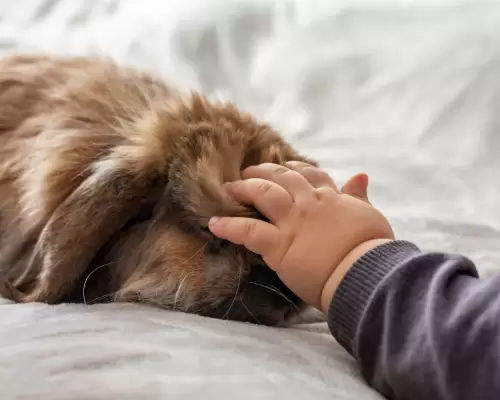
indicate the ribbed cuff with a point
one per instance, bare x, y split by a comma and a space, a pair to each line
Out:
358, 285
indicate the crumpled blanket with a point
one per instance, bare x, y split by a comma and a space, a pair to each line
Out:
405, 91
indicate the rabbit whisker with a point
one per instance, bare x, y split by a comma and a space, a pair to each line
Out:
102, 297
250, 313
275, 290
236, 292
88, 276
178, 291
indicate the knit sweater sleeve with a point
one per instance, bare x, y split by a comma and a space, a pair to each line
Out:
420, 325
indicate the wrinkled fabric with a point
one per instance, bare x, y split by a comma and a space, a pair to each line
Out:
405, 91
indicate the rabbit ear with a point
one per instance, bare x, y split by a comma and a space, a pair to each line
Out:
97, 209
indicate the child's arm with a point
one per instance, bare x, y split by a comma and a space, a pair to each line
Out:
422, 326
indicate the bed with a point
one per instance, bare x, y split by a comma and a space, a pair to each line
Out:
407, 91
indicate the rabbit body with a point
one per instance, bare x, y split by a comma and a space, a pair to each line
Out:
107, 180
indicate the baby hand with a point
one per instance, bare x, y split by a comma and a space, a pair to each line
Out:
315, 232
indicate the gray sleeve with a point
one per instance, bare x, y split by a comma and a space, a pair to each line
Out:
420, 325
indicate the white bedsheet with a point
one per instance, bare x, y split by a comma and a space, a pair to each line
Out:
407, 91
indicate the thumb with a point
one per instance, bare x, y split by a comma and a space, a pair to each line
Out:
357, 186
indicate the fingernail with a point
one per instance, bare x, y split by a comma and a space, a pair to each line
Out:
231, 186
213, 221
231, 183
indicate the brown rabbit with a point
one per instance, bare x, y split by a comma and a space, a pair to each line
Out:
107, 180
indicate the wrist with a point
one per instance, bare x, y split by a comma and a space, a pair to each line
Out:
343, 267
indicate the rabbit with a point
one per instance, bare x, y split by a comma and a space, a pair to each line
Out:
108, 177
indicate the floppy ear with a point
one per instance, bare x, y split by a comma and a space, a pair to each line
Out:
78, 228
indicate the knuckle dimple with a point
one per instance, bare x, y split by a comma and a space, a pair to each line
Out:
318, 195
303, 207
322, 193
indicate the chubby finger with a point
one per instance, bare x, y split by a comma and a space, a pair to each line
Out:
292, 181
357, 186
314, 175
257, 236
270, 199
